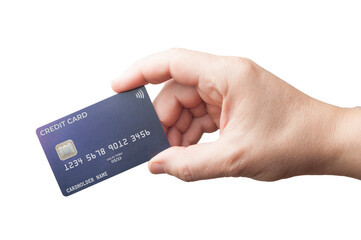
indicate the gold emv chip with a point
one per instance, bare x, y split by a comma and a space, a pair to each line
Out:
66, 150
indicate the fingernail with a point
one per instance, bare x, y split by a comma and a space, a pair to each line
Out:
156, 168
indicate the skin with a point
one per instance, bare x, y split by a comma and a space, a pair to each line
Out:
268, 129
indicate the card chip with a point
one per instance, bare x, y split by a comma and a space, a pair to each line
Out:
66, 150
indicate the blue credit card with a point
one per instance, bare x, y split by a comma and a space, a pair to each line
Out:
102, 140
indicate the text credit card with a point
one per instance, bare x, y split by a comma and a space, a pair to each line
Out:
102, 140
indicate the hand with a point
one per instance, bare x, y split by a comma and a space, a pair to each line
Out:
268, 129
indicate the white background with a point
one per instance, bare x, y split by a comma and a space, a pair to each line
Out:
57, 57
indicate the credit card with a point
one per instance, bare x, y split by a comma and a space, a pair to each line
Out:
102, 140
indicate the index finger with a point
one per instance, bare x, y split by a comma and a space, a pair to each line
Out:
184, 66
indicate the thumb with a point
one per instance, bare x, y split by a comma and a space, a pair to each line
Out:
195, 162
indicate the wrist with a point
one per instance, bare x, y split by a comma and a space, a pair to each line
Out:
321, 130
348, 138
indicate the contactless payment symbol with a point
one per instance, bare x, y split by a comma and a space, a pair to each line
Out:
66, 150
139, 94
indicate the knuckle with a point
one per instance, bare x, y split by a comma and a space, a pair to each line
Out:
236, 163
232, 166
208, 84
175, 51
184, 173
246, 67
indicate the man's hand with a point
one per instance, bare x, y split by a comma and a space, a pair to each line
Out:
268, 129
